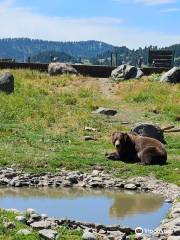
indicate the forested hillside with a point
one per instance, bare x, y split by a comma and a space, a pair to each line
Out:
22, 48
48, 56
95, 52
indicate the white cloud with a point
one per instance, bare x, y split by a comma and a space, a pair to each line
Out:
23, 22
148, 2
155, 2
170, 10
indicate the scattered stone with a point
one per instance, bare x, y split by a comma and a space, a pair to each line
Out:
149, 130
24, 232
44, 216
9, 225
73, 179
172, 76
48, 234
125, 72
30, 211
20, 218
35, 217
90, 129
90, 138
174, 238
124, 122
41, 225
168, 201
88, 236
61, 68
105, 111
130, 186
7, 83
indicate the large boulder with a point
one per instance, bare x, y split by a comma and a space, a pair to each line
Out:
149, 130
7, 83
125, 72
172, 76
61, 68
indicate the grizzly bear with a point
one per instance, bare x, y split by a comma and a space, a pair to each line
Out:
131, 147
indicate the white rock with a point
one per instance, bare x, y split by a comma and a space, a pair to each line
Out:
24, 232
174, 238
41, 225
30, 211
20, 218
88, 236
130, 186
48, 234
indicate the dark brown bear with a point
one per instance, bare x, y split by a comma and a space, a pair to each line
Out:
131, 147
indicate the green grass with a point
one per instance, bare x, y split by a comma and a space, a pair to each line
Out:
42, 123
11, 234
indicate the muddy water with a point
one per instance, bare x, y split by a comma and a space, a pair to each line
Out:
97, 206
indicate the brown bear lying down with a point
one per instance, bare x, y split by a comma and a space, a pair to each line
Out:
131, 147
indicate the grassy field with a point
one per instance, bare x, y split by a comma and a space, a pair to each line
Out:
43, 123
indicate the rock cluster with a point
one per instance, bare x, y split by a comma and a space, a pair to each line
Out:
170, 227
95, 179
125, 72
48, 227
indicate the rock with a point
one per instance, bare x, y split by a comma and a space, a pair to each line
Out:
20, 218
105, 111
90, 129
48, 234
30, 211
41, 225
130, 186
168, 201
73, 179
88, 236
95, 172
61, 68
125, 72
24, 232
7, 83
117, 235
174, 238
89, 138
35, 217
9, 225
44, 216
172, 76
149, 130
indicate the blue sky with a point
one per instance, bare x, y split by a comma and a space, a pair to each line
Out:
134, 23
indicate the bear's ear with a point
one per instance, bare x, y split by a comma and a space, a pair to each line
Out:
113, 138
126, 137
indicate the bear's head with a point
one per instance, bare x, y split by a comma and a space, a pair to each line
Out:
122, 142
119, 139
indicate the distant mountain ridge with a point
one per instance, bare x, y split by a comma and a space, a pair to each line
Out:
22, 48
96, 51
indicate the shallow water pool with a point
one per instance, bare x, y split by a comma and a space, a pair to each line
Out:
95, 206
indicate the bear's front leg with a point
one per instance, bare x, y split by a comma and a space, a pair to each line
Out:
113, 156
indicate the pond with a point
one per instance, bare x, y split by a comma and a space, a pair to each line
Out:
126, 208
